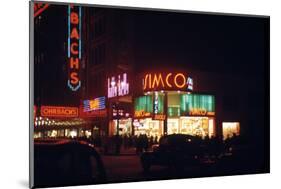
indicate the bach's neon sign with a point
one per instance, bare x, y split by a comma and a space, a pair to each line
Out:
167, 81
74, 47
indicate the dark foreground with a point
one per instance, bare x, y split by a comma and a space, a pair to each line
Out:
127, 167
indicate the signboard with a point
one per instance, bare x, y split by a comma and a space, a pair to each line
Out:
39, 8
94, 114
197, 105
74, 47
117, 85
95, 104
167, 81
159, 117
141, 114
158, 106
58, 111
143, 106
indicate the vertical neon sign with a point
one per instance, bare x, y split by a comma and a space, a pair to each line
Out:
74, 47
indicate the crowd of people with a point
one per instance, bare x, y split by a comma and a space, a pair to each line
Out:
141, 143
113, 144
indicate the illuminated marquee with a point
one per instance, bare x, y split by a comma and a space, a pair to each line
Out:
74, 47
117, 86
95, 104
58, 111
169, 81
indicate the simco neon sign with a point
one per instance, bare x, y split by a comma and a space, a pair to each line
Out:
117, 86
74, 47
169, 81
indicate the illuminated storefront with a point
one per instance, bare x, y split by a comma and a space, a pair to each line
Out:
120, 105
169, 105
192, 114
61, 122
229, 129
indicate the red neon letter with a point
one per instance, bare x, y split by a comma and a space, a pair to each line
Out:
157, 81
74, 19
74, 78
167, 80
74, 34
72, 50
74, 62
176, 82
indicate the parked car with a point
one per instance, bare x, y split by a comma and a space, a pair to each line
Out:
176, 150
66, 162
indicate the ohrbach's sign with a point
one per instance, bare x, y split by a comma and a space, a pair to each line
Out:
58, 111
167, 81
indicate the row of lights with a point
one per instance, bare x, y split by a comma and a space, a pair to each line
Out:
39, 121
149, 92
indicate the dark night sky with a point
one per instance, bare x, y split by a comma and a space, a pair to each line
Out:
220, 44
212, 43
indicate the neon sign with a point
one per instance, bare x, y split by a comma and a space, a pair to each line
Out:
96, 104
58, 111
159, 117
169, 81
141, 113
94, 114
200, 112
117, 86
156, 103
74, 47
39, 8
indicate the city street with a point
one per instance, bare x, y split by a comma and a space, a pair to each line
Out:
123, 168
127, 167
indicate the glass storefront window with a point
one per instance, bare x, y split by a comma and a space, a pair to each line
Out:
71, 133
124, 126
149, 127
173, 126
61, 133
196, 126
229, 129
38, 135
52, 133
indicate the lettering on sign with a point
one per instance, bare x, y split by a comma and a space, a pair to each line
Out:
159, 117
74, 47
141, 113
162, 81
201, 112
58, 111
